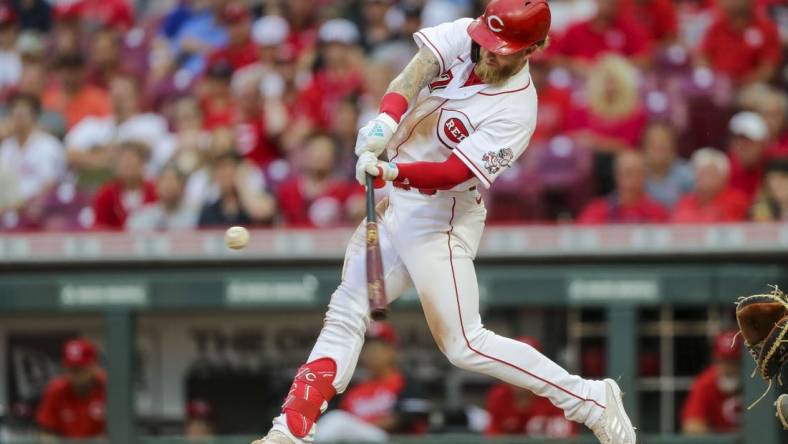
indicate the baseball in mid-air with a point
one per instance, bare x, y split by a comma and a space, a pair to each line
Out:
236, 237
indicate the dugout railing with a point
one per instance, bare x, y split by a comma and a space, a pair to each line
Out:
619, 270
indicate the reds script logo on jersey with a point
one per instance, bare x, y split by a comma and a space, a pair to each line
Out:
453, 127
455, 130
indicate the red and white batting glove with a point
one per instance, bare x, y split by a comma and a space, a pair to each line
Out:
368, 163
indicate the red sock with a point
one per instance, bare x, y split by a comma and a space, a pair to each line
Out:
312, 386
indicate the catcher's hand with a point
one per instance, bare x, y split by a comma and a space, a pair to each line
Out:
763, 322
782, 410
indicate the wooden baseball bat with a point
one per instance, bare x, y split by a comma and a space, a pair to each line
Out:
376, 289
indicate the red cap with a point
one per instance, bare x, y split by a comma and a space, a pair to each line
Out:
7, 14
532, 341
382, 331
726, 347
234, 13
509, 26
78, 353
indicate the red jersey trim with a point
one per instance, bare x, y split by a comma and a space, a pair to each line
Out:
470, 163
508, 92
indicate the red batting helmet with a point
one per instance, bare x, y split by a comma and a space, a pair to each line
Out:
509, 26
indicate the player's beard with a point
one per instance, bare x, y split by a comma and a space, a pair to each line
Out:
493, 75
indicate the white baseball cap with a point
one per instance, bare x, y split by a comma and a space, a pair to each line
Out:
271, 30
750, 125
338, 31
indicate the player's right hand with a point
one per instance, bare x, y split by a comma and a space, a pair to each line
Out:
375, 135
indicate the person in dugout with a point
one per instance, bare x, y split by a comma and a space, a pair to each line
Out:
383, 401
517, 411
714, 402
74, 404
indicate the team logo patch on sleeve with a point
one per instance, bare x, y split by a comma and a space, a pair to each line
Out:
495, 160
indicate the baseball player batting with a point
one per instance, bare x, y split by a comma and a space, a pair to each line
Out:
473, 119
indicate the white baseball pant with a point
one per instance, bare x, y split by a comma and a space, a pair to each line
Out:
430, 242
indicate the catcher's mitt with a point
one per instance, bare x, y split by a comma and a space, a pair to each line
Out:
763, 322
782, 410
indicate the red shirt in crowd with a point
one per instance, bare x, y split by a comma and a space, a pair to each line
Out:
218, 113
539, 418
301, 41
738, 52
721, 412
237, 56
607, 210
324, 210
554, 105
656, 17
582, 41
322, 96
69, 415
374, 399
748, 181
253, 142
728, 206
628, 129
113, 203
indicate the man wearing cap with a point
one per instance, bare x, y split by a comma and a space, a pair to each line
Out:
383, 401
747, 151
339, 76
714, 401
73, 405
473, 119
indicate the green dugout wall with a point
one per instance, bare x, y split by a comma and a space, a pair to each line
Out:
619, 270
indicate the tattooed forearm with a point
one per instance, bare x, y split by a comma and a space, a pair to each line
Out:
422, 68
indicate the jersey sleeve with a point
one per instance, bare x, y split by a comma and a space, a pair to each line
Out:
447, 41
494, 147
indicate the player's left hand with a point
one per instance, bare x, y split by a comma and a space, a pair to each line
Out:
368, 163
375, 135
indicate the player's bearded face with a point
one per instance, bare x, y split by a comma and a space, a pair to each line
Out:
494, 69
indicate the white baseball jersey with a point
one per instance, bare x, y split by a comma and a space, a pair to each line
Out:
487, 126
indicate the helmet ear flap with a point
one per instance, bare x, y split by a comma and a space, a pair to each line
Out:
475, 52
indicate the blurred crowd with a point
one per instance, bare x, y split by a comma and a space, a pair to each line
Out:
178, 114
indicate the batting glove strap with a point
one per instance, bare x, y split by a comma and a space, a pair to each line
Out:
387, 171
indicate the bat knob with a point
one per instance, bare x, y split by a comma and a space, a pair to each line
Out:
379, 314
